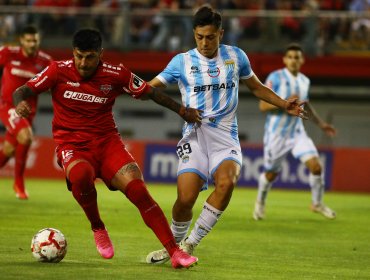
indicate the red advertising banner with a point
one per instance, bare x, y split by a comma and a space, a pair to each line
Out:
347, 169
351, 170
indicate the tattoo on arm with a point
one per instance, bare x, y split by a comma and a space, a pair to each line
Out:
164, 100
22, 93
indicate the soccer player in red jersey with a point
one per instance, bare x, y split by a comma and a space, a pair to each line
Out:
89, 146
19, 63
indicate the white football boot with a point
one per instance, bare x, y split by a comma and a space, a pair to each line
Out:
158, 257
259, 211
323, 210
187, 247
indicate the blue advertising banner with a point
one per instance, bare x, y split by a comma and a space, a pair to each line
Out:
161, 166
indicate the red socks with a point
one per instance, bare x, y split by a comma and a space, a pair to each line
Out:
21, 151
81, 178
152, 214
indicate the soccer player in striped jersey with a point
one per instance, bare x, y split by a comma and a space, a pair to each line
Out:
19, 63
208, 78
284, 134
84, 90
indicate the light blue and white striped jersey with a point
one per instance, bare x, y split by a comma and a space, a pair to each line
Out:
210, 85
285, 85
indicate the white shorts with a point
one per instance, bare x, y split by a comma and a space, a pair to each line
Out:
204, 148
277, 148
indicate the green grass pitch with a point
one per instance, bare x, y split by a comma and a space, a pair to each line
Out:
292, 243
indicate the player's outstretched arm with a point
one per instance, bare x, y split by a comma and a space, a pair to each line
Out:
291, 106
190, 115
20, 96
314, 116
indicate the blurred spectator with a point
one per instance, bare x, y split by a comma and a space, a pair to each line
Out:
313, 41
104, 22
6, 28
173, 31
233, 24
290, 25
141, 29
54, 22
360, 27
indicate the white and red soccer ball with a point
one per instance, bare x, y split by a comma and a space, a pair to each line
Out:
49, 245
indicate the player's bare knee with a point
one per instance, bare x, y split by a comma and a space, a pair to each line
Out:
25, 136
316, 169
225, 186
185, 203
270, 176
8, 149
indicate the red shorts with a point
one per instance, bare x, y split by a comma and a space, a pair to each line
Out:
106, 155
13, 123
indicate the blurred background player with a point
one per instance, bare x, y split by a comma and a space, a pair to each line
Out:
208, 78
285, 134
84, 90
19, 63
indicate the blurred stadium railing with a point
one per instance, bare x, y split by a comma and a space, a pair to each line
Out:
266, 31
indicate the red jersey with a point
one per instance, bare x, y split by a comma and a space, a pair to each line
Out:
83, 107
18, 69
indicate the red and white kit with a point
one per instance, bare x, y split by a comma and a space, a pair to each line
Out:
83, 124
17, 70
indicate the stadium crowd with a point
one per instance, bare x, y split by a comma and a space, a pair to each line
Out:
163, 21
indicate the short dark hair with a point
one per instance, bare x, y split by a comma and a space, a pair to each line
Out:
87, 39
293, 47
207, 16
28, 29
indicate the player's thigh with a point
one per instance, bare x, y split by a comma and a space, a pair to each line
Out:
69, 155
274, 153
304, 148
227, 174
118, 167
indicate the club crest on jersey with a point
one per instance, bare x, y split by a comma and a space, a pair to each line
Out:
185, 159
106, 88
213, 73
136, 84
229, 62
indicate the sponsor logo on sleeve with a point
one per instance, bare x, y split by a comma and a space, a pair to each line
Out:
136, 84
35, 78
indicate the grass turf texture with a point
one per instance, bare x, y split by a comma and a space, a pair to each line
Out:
292, 243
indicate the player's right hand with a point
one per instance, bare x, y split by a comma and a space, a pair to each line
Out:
191, 115
295, 107
23, 109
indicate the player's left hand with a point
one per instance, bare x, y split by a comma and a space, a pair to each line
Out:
23, 109
191, 115
295, 108
328, 129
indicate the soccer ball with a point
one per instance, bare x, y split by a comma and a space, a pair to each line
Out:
49, 245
